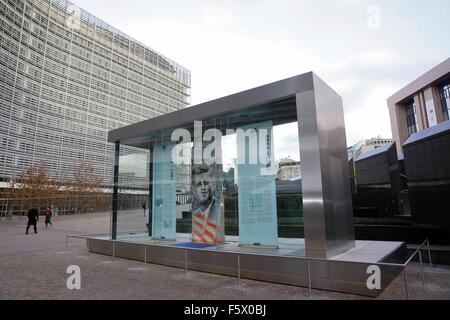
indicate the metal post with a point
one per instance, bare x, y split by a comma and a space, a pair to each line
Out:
239, 271
185, 261
67, 239
421, 268
115, 198
406, 283
145, 255
429, 253
309, 279
150, 195
114, 250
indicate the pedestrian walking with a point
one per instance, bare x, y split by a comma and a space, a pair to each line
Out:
48, 217
144, 206
33, 218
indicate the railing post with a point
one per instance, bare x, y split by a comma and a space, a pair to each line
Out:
239, 270
115, 199
67, 239
145, 255
429, 253
405, 277
185, 261
114, 250
421, 268
309, 279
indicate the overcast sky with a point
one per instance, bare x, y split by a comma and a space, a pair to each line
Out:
365, 50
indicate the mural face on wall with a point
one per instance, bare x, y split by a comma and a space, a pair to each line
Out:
207, 213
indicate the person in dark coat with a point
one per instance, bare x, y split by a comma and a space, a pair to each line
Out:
48, 217
33, 218
144, 206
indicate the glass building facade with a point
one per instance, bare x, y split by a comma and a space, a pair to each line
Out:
66, 79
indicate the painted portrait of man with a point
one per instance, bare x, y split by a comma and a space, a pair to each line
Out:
207, 213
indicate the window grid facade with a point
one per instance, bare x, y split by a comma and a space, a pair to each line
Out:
68, 78
411, 117
444, 92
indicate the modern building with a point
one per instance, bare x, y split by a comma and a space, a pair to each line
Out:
364, 146
378, 183
288, 169
427, 166
355, 151
66, 79
422, 104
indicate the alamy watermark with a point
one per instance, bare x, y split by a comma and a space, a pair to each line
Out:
255, 146
374, 280
74, 280
373, 21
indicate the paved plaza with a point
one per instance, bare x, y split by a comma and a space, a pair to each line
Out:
34, 267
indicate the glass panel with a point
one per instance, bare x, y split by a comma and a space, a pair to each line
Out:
164, 193
288, 181
256, 183
133, 199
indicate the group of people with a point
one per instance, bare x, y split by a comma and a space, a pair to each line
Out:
33, 218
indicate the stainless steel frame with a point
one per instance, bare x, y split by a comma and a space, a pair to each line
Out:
327, 206
319, 112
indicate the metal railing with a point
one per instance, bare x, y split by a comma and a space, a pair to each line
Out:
83, 237
306, 259
418, 251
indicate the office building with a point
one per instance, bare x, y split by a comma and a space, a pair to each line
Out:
378, 183
66, 79
422, 104
427, 167
367, 145
288, 169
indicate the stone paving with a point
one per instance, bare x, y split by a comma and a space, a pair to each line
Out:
34, 267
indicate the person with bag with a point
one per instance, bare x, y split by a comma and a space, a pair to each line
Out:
48, 217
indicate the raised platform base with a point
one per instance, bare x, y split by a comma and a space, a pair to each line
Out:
286, 265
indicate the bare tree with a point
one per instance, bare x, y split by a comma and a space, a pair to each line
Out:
34, 188
86, 187
84, 192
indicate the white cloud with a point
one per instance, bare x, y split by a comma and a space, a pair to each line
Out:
372, 118
349, 3
217, 16
368, 59
231, 46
